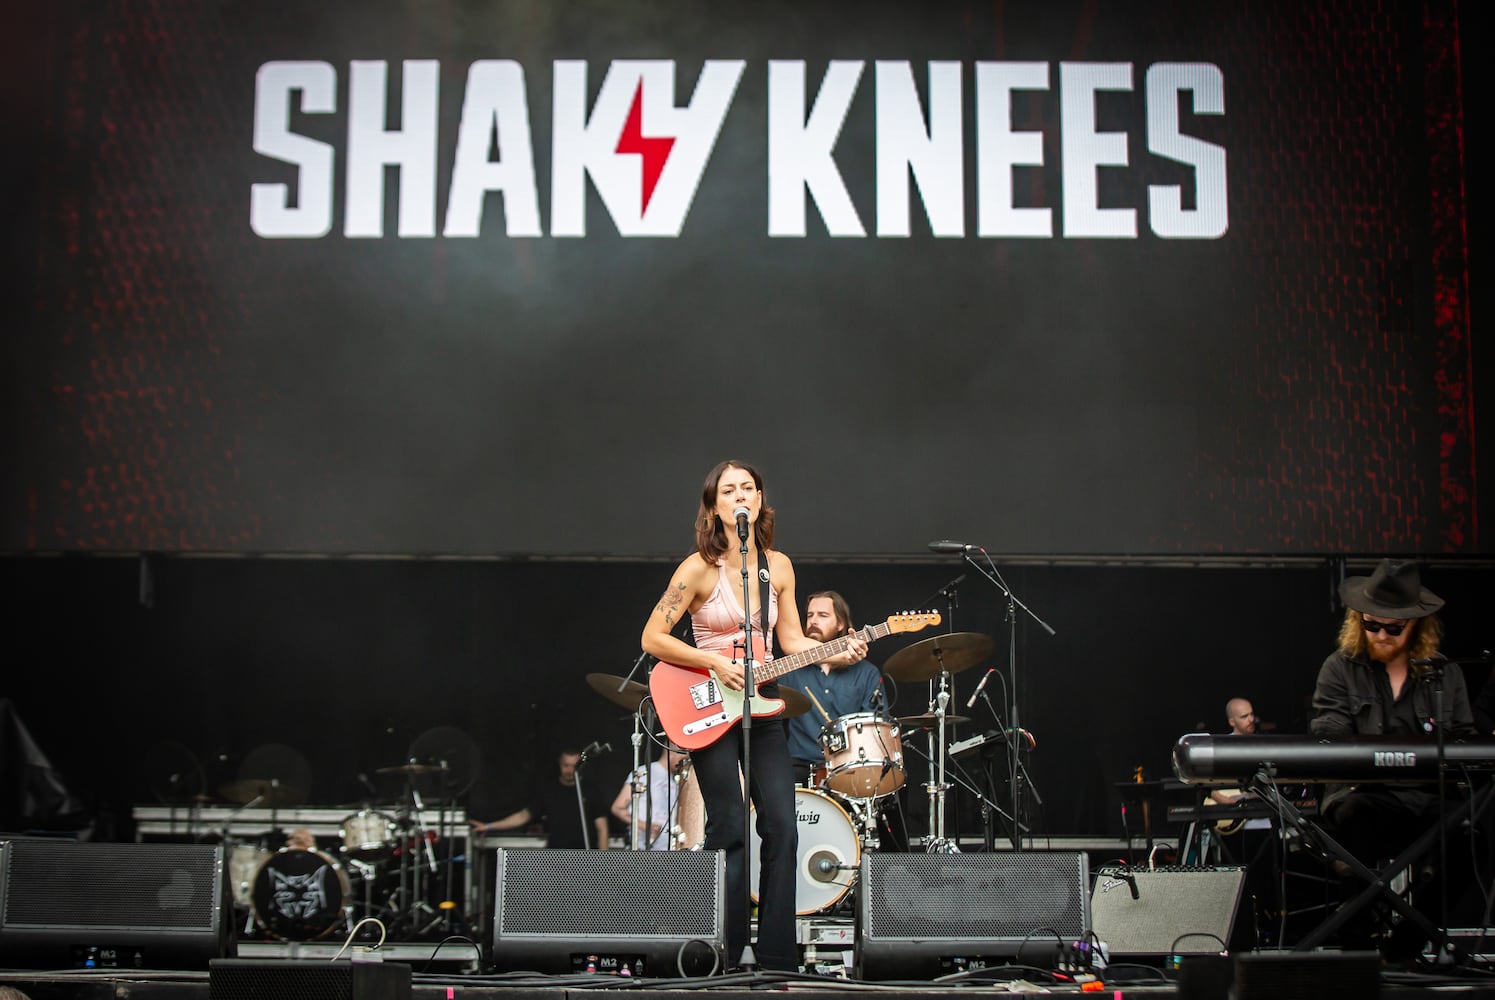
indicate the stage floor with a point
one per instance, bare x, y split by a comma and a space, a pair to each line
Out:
1130, 981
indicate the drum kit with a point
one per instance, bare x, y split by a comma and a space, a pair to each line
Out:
385, 866
837, 814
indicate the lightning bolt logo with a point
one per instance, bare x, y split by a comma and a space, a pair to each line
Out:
653, 151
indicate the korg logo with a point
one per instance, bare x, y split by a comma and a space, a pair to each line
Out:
1387, 758
646, 156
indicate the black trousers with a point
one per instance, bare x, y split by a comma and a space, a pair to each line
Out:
717, 769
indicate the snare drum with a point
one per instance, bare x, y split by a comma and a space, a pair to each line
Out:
863, 756
368, 834
298, 895
826, 833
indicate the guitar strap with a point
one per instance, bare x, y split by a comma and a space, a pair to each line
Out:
763, 592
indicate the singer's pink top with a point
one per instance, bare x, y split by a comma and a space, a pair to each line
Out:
718, 622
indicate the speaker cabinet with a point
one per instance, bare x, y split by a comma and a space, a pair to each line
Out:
69, 904
1177, 911
257, 978
1307, 975
923, 915
659, 913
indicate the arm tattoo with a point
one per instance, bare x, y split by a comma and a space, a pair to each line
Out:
670, 603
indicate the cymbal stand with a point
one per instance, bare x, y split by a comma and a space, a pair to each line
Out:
641, 787
407, 905
937, 786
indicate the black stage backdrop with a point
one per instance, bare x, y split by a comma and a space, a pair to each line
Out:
1059, 277
350, 661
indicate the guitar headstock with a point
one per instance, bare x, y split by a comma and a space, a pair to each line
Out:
912, 621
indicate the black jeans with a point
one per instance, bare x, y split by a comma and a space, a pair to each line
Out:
718, 772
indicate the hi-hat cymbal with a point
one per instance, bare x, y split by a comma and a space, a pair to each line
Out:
269, 793
929, 720
952, 652
608, 685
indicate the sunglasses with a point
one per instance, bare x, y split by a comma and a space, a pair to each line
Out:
1392, 629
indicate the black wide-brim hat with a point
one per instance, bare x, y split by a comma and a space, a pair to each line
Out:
1394, 590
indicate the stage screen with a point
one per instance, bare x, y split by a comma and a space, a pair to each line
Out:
507, 277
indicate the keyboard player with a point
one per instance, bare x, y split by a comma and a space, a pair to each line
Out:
1380, 681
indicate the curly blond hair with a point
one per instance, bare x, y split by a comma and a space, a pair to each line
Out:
1426, 635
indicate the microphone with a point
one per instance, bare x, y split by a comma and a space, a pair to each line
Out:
1129, 878
980, 687
368, 784
595, 748
945, 545
1436, 659
740, 515
824, 868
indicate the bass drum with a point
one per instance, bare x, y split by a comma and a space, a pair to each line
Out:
826, 833
299, 895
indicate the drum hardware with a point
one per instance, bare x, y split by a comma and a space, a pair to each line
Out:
372, 838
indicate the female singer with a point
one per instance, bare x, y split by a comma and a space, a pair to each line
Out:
708, 585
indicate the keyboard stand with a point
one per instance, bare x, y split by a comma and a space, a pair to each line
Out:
1378, 883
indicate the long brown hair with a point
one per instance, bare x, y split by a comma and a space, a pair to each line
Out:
711, 533
1424, 645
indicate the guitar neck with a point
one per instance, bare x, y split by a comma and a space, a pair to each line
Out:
816, 654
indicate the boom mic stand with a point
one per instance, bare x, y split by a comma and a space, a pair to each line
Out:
1015, 771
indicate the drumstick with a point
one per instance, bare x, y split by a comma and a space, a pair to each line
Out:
818, 705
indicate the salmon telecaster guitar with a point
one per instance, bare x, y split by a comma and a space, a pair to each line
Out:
696, 711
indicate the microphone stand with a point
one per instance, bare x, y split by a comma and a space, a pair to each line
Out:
749, 692
1015, 772
1437, 671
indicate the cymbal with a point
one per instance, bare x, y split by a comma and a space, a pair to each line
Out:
269, 793
412, 768
794, 703
929, 720
607, 685
953, 652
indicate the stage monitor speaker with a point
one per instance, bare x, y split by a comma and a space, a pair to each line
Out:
66, 904
1169, 911
922, 915
1307, 975
659, 913
258, 978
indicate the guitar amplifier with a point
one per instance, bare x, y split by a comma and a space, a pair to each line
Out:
1168, 911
